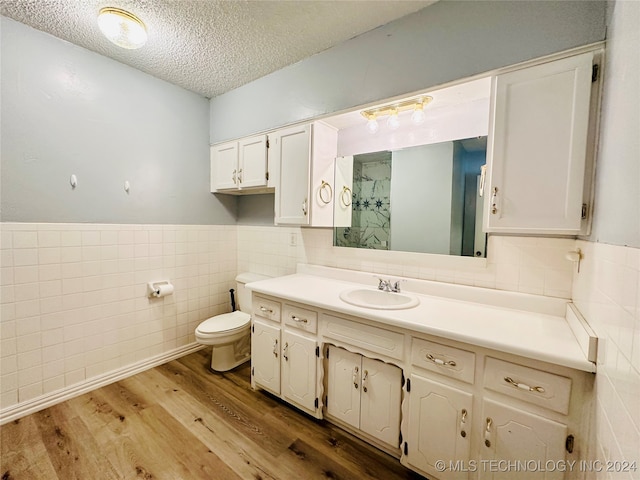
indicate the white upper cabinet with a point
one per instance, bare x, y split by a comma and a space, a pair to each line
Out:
239, 165
303, 158
537, 148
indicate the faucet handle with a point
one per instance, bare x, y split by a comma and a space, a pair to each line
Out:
383, 284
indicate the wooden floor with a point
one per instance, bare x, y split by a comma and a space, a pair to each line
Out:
180, 421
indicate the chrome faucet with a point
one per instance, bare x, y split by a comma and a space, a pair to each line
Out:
388, 286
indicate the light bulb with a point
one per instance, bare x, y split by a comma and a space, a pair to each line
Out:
372, 124
122, 28
417, 117
393, 123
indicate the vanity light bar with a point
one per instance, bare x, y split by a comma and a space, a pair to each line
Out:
396, 108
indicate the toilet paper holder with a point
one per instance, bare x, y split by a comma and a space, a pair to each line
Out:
159, 289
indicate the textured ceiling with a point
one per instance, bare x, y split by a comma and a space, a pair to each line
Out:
213, 46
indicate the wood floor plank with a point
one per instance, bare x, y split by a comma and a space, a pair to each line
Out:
71, 446
242, 417
22, 453
182, 421
238, 451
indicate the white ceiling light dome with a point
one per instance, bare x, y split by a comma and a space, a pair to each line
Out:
122, 28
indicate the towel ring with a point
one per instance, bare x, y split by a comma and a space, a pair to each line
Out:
324, 188
346, 190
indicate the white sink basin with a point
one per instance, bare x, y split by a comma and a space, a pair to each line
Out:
378, 299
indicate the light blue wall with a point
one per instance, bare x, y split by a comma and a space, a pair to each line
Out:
446, 41
617, 200
66, 110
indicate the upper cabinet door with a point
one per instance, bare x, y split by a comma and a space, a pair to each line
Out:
224, 166
537, 148
292, 149
253, 162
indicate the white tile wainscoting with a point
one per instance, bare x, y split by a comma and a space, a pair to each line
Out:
607, 292
75, 307
521, 264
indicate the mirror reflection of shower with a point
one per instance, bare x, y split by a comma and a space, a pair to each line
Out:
418, 199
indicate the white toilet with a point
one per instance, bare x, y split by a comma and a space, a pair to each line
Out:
230, 333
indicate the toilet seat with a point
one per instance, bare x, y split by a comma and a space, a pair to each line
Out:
225, 324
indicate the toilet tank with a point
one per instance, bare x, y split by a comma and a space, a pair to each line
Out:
243, 295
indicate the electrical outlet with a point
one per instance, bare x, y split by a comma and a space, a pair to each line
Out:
293, 240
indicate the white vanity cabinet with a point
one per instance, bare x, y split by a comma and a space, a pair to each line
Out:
514, 431
364, 393
537, 148
265, 345
515, 436
300, 354
423, 398
435, 406
285, 352
239, 165
303, 157
439, 427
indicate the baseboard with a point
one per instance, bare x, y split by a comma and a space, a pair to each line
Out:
44, 401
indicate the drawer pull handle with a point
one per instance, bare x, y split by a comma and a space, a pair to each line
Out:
298, 319
439, 361
275, 348
265, 309
523, 386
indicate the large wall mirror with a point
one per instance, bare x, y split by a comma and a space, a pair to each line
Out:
424, 198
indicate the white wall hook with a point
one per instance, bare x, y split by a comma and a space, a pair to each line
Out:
127, 186
73, 180
575, 256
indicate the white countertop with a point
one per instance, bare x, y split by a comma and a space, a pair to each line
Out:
530, 334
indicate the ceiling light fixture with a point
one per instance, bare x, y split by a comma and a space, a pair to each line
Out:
122, 28
416, 104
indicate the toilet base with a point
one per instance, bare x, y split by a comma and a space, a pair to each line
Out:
231, 355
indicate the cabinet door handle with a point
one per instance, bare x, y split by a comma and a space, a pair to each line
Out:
523, 386
494, 201
483, 176
365, 375
463, 421
304, 207
346, 196
325, 193
240, 176
275, 348
285, 351
234, 176
298, 319
356, 370
265, 309
487, 432
439, 361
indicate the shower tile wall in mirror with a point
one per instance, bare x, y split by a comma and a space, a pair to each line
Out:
417, 199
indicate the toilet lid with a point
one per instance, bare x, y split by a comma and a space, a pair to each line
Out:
225, 322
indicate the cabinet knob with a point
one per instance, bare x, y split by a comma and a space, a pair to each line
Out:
487, 432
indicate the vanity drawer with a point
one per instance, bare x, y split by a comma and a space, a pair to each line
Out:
266, 308
374, 339
301, 318
450, 361
534, 386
